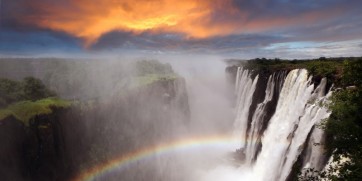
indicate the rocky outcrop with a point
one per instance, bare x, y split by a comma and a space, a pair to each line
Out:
34, 152
12, 139
59, 145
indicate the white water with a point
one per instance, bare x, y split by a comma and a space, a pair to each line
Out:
298, 111
313, 114
279, 134
245, 88
315, 157
256, 123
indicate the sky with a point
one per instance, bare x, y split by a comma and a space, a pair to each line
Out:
229, 28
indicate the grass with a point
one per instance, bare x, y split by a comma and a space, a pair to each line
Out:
315, 67
331, 68
25, 110
151, 78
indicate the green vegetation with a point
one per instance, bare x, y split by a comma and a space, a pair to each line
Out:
151, 78
25, 110
150, 71
26, 99
344, 128
28, 89
146, 67
313, 65
84, 79
331, 68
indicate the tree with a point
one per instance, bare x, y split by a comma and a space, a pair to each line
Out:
29, 88
344, 128
10, 91
34, 89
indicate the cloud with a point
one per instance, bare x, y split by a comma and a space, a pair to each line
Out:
208, 26
176, 42
20, 42
90, 20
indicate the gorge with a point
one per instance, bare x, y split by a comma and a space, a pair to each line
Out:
169, 121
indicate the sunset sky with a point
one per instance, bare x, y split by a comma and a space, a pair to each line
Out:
231, 28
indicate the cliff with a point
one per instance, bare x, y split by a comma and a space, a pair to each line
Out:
57, 141
331, 68
338, 114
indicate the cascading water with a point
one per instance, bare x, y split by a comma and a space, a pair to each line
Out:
245, 88
313, 114
299, 108
315, 157
256, 124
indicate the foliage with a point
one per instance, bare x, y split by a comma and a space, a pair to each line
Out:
352, 74
25, 110
151, 78
145, 67
150, 71
344, 128
83, 79
322, 67
34, 89
10, 91
28, 89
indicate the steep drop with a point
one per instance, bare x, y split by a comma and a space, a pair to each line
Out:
299, 108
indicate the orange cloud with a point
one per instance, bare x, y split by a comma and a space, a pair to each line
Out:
91, 19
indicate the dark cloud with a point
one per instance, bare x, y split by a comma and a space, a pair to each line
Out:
229, 26
36, 41
174, 42
290, 8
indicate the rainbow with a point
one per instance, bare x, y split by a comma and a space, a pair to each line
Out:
131, 157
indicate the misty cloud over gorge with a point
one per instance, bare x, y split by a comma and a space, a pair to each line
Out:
207, 26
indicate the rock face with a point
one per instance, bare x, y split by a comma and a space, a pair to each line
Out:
33, 152
12, 139
283, 107
60, 145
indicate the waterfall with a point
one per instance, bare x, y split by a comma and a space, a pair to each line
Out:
299, 108
313, 113
245, 88
315, 157
256, 123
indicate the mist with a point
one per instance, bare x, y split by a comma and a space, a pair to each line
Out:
211, 114
120, 108
164, 117
192, 90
